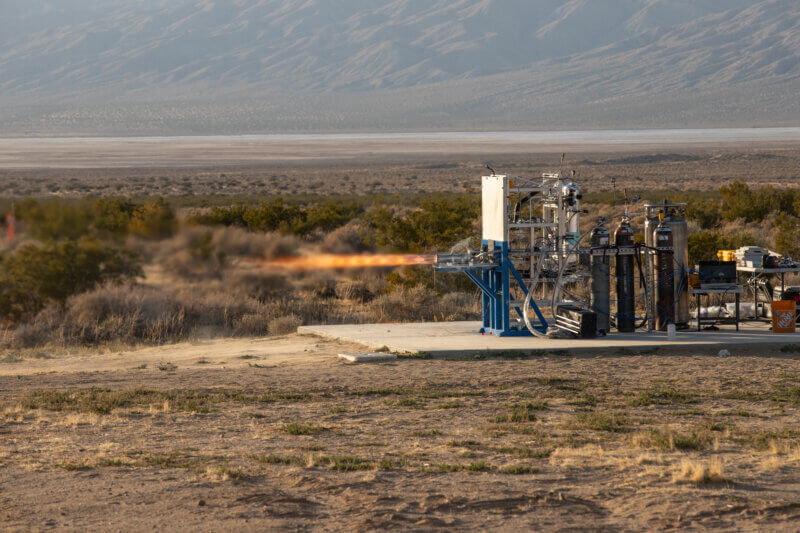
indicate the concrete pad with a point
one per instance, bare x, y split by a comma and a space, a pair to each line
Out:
368, 357
462, 338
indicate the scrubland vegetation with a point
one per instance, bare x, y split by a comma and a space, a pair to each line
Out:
155, 270
92, 271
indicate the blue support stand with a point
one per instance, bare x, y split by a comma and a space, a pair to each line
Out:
495, 284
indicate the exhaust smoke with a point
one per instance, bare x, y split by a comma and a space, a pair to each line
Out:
334, 261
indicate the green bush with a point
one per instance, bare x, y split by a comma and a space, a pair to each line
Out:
117, 217
55, 220
34, 276
113, 215
787, 237
703, 245
273, 216
222, 216
153, 220
277, 215
438, 223
327, 216
740, 202
706, 212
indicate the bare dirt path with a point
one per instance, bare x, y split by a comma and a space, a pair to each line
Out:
214, 353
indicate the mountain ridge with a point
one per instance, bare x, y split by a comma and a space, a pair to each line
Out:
492, 58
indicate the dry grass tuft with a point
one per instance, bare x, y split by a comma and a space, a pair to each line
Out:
284, 325
700, 473
565, 456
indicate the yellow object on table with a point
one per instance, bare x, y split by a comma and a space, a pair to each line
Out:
726, 255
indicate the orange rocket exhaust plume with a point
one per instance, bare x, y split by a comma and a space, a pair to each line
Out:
334, 261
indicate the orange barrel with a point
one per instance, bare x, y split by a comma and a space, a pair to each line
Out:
783, 316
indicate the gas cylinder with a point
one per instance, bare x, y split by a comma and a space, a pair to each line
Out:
665, 276
626, 308
672, 215
601, 278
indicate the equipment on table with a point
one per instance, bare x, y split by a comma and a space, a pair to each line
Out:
717, 274
752, 256
726, 255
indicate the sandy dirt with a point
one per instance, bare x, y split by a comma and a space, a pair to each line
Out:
689, 169
223, 353
121, 152
278, 434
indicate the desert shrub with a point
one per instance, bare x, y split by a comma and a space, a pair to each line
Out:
347, 239
273, 216
326, 217
425, 276
215, 307
118, 313
110, 300
787, 236
123, 313
197, 257
252, 324
30, 335
221, 216
403, 305
278, 215
439, 222
197, 253
113, 215
55, 220
460, 306
703, 245
153, 220
261, 285
706, 212
284, 325
751, 205
238, 242
318, 283
104, 217
357, 291
34, 276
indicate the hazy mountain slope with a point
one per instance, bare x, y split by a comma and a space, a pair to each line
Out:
431, 63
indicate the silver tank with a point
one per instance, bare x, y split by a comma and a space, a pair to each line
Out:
676, 222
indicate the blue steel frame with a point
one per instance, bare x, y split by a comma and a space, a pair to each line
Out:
495, 284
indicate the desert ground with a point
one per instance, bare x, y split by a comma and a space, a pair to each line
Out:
276, 433
265, 433
688, 169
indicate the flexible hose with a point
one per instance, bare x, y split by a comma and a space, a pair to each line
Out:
526, 305
535, 281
